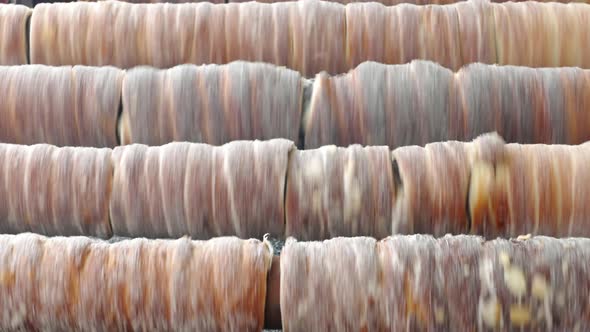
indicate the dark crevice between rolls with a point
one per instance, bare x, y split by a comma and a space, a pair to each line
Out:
397, 178
28, 38
113, 238
398, 187
280, 242
118, 122
467, 205
272, 305
305, 104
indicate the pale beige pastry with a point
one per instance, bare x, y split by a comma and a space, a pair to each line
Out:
335, 191
334, 285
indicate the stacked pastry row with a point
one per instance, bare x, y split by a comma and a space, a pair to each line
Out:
418, 282
249, 188
385, 2
375, 104
307, 36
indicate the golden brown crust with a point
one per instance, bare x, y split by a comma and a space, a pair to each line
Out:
55, 191
13, 34
79, 284
211, 104
200, 190
339, 192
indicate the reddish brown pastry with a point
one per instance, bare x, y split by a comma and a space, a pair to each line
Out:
542, 35
307, 36
384, 2
159, 1
211, 104
331, 286
318, 37
63, 106
455, 283
402, 33
310, 36
537, 189
507, 99
249, 1
121, 34
55, 191
435, 183
566, 97
200, 190
421, 102
363, 41
525, 105
98, 98
339, 192
80, 284
260, 32
38, 105
375, 104
476, 32
13, 34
